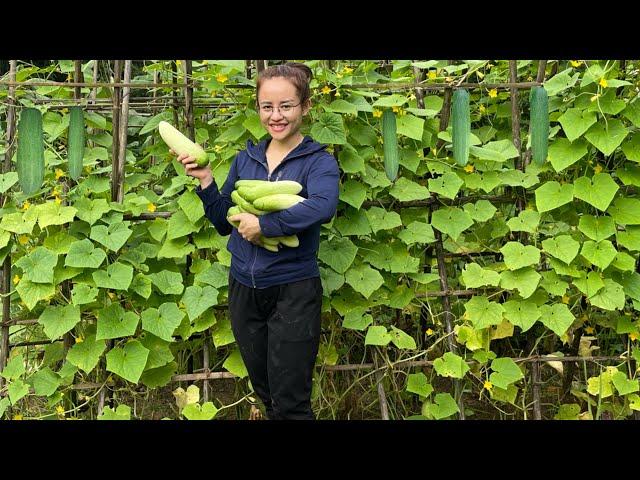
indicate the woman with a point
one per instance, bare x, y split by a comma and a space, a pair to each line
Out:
275, 298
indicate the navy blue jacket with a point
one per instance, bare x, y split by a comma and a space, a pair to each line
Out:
317, 171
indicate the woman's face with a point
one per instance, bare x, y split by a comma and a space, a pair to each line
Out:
280, 109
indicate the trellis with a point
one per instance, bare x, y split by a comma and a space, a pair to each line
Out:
122, 101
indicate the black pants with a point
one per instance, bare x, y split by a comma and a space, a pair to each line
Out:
278, 332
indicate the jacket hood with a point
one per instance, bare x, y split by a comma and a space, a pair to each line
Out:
306, 147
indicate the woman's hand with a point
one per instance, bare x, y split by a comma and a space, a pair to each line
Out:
249, 227
193, 170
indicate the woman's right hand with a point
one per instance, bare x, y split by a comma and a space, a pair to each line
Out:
192, 169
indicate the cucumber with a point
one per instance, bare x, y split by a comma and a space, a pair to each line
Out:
253, 192
30, 155
272, 248
270, 240
291, 241
181, 144
250, 183
539, 100
280, 201
461, 126
245, 204
390, 145
75, 146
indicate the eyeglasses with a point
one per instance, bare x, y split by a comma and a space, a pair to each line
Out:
284, 108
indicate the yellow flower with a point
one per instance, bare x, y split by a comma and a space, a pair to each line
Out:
589, 330
395, 109
482, 109
60, 410
597, 168
337, 94
23, 239
221, 77
575, 63
603, 83
26, 205
429, 332
151, 207
59, 173
493, 93
347, 69
469, 168
17, 416
633, 336
412, 96
58, 200
56, 191
565, 299
326, 90
377, 113
16, 279
488, 385
432, 74
79, 339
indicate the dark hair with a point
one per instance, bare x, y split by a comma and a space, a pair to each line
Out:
298, 73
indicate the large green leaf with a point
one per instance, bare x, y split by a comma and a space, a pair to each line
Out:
394, 258
168, 282
377, 335
8, 180
498, 151
611, 297
14, 368
235, 365
590, 283
59, 320
623, 384
517, 255
486, 181
418, 383
481, 211
38, 266
354, 222
16, 390
123, 412
176, 248
524, 279
401, 339
600, 254
114, 322
45, 382
444, 407
338, 253
179, 226
564, 153
575, 122
128, 362
83, 254
364, 279
597, 228
505, 372
194, 411
552, 195
380, 219
86, 354
526, 221
199, 299
598, 191
417, 232
475, 276
117, 276
447, 185
451, 220
405, 190
113, 237
354, 193
50, 213
31, 293
607, 137
162, 322
553, 283
191, 205
562, 247
329, 128
625, 211
556, 317
91, 210
482, 313
629, 174
18, 222
631, 148
410, 126
517, 178
522, 313
450, 365
160, 376
629, 238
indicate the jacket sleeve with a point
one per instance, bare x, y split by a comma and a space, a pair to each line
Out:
319, 206
217, 203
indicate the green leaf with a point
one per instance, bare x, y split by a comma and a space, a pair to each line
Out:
350, 161
364, 279
39, 265
50, 213
8, 180
517, 178
410, 126
562, 247
117, 277
568, 411
114, 322
141, 284
625, 211
610, 298
450, 365
402, 340
522, 313
354, 193
254, 125
352, 223
355, 320
221, 332
444, 407
59, 320
526, 221
45, 382
589, 284
632, 112
417, 232
160, 376
159, 350
235, 365
563, 153
154, 121
553, 284
168, 282
86, 354
18, 222
607, 138
342, 106
377, 335
338, 253
482, 313
176, 248
623, 384
31, 293
475, 276
158, 228
17, 389
393, 100
14, 368
524, 279
601, 385
128, 362
331, 280
113, 237
417, 383
380, 219
405, 190
91, 210
505, 372
123, 412
557, 318
179, 226
597, 228
215, 275
599, 191
629, 238
329, 128
198, 300
561, 81
82, 254
631, 148
447, 185
600, 254
481, 211
451, 220
629, 174
194, 411
162, 322
552, 195
575, 122
517, 255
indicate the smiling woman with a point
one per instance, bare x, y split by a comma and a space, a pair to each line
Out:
275, 295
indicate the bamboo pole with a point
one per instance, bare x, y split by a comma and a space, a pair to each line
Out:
115, 130
6, 265
174, 85
124, 125
154, 110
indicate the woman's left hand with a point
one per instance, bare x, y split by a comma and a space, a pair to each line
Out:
249, 227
